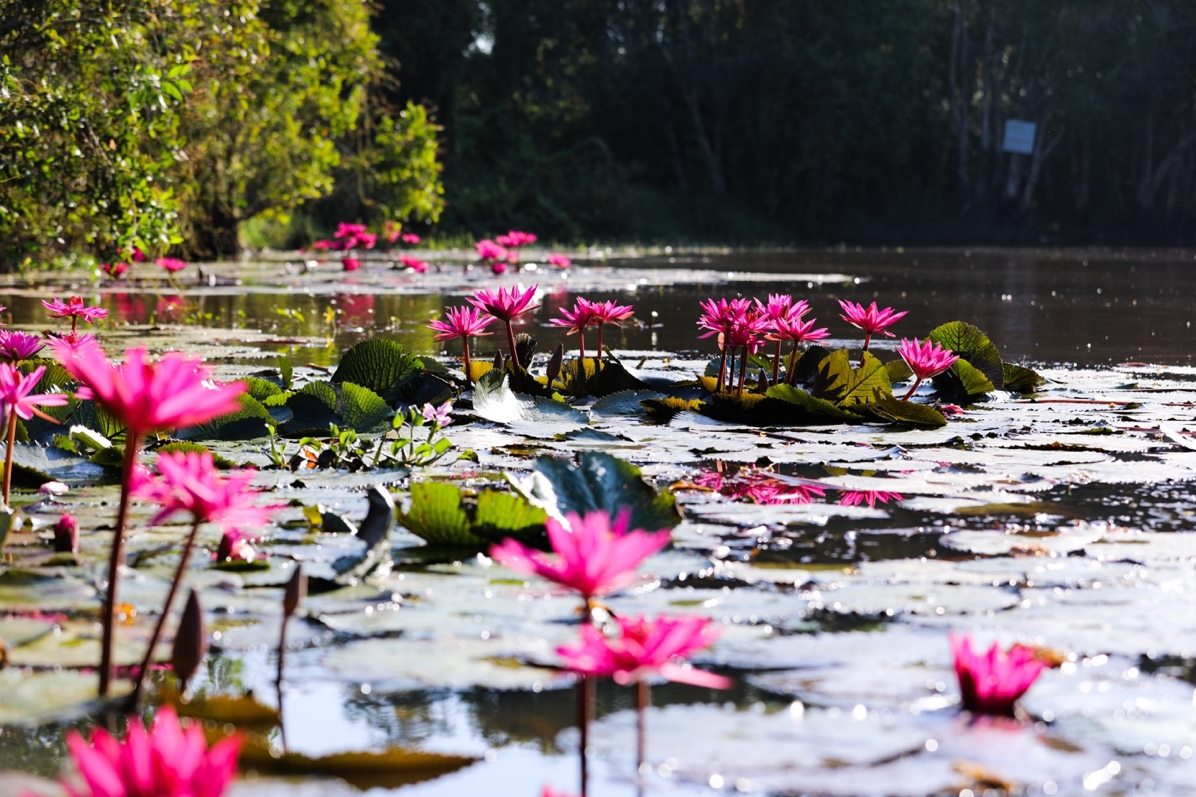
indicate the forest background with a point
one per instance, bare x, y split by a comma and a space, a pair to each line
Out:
198, 127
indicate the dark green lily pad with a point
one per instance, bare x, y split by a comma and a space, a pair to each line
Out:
441, 513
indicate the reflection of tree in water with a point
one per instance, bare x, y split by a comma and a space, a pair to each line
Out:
404, 718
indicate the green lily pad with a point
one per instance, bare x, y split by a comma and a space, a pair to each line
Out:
599, 481
1022, 380
888, 408
347, 404
443, 514
382, 366
585, 378
534, 416
971, 344
962, 383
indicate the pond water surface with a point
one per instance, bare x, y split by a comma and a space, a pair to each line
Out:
1062, 520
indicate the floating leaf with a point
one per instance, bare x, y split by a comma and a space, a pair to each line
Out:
389, 768
587, 379
898, 371
1022, 380
534, 416
970, 343
380, 365
889, 408
805, 408
246, 423
599, 481
239, 710
833, 376
962, 383
443, 514
320, 404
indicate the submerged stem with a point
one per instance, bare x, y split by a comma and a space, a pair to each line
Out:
115, 559
9, 453
917, 382
179, 572
465, 359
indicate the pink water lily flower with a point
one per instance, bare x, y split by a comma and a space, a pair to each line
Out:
75, 309
350, 264
66, 534
237, 546
174, 392
926, 360
322, 245
16, 345
171, 264
438, 416
551, 792
410, 238
189, 481
870, 319
464, 323
349, 230
643, 648
869, 497
414, 263
506, 304
490, 250
17, 396
575, 321
559, 261
114, 270
991, 682
498, 268
169, 760
515, 239
593, 555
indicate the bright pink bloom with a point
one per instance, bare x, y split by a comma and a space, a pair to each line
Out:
514, 239
593, 555
16, 393
869, 497
796, 330
551, 792
16, 345
174, 392
719, 316
489, 250
74, 339
391, 230
66, 534
951, 410
169, 760
782, 307
927, 359
171, 264
498, 268
760, 488
410, 238
414, 263
644, 648
347, 230
559, 261
351, 263
505, 304
870, 319
461, 322
114, 270
74, 308
439, 416
576, 320
610, 313
366, 240
137, 256
991, 682
323, 245
189, 481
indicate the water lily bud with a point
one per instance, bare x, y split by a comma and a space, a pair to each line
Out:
554, 365
53, 488
296, 591
762, 383
525, 347
190, 643
66, 534
498, 363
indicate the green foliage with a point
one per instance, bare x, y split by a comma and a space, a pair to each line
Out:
971, 344
321, 404
444, 514
381, 365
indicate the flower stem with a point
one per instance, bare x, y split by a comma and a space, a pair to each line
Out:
179, 572
791, 371
776, 362
515, 366
599, 355
465, 359
9, 452
115, 559
722, 369
581, 345
743, 363
917, 382
585, 711
282, 652
863, 351
642, 700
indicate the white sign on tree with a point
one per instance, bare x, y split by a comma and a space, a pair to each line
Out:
1019, 136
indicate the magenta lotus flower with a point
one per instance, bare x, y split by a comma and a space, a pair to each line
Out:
926, 360
137, 256
174, 392
438, 416
593, 555
114, 270
17, 397
498, 268
464, 323
323, 245
870, 319
66, 534
16, 345
576, 320
236, 546
991, 682
348, 230
644, 648
414, 263
350, 264
411, 239
75, 309
489, 250
515, 239
738, 326
869, 497
170, 760
782, 306
171, 264
506, 304
559, 261
189, 481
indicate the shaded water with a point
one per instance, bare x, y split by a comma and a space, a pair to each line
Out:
1016, 522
